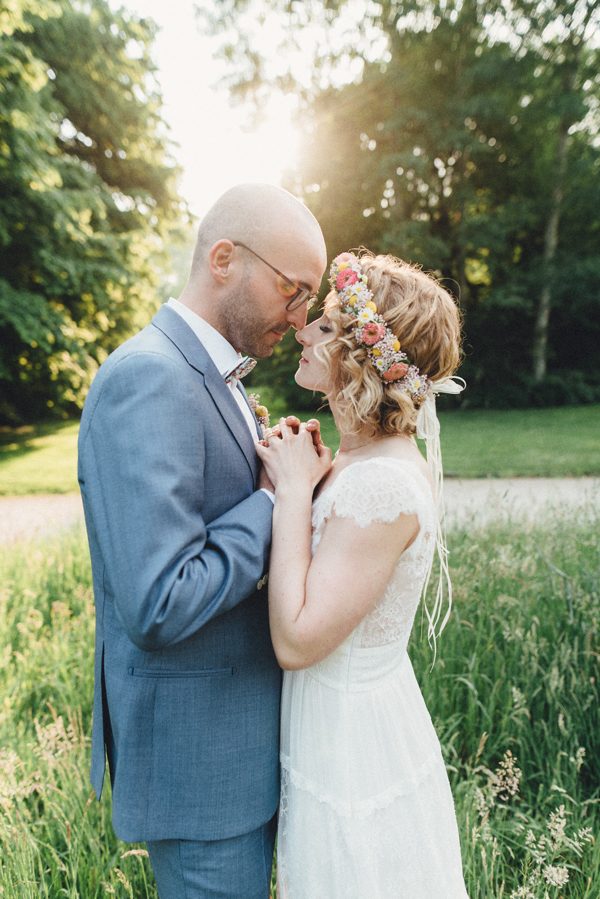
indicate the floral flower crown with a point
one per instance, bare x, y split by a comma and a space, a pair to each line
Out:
370, 330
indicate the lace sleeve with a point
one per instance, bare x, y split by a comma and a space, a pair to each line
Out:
379, 489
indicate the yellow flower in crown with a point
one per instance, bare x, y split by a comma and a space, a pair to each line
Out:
371, 305
396, 346
376, 351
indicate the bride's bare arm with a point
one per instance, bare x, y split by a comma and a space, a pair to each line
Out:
315, 604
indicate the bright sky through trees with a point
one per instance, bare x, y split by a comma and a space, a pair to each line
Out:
218, 146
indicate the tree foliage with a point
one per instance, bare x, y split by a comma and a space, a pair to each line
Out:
87, 195
464, 140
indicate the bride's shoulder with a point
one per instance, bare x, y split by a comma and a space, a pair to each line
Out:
390, 463
377, 488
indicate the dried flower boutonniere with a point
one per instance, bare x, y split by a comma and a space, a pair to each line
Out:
261, 412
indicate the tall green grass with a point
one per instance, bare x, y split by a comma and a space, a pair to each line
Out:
515, 687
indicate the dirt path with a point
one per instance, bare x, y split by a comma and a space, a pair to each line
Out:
32, 516
467, 501
482, 501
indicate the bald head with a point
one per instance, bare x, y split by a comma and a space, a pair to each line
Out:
256, 214
257, 248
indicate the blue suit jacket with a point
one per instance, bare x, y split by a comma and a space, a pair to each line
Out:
187, 687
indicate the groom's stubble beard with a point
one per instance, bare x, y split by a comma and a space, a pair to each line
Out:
245, 326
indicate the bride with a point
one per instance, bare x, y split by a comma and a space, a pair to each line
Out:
366, 810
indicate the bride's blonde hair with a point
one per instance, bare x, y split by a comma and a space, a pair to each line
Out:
426, 321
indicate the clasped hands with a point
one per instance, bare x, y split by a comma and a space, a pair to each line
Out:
293, 454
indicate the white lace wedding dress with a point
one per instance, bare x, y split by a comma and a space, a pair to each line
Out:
366, 809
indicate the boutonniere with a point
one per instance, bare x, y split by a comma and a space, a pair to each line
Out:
261, 412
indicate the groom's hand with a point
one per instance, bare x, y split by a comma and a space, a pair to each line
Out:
264, 481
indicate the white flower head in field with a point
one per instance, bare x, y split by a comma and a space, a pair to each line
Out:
556, 875
546, 852
482, 803
536, 849
557, 823
506, 779
579, 758
584, 835
523, 892
519, 702
55, 740
15, 782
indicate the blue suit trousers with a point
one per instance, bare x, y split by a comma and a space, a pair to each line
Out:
236, 868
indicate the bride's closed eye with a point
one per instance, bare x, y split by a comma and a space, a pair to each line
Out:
325, 329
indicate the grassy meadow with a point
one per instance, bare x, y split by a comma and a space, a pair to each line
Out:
560, 442
39, 458
513, 694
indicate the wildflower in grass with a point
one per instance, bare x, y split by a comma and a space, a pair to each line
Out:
546, 857
522, 893
519, 703
54, 740
579, 758
60, 611
16, 782
537, 852
584, 835
557, 823
122, 878
506, 778
556, 875
31, 623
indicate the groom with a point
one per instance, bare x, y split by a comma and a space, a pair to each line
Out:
186, 703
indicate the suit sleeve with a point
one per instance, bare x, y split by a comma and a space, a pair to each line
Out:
142, 473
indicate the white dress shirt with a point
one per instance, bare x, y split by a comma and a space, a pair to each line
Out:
220, 351
224, 357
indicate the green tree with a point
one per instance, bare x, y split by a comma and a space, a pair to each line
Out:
447, 146
87, 196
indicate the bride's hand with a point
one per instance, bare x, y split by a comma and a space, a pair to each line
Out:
292, 460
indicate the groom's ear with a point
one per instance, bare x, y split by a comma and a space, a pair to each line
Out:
219, 260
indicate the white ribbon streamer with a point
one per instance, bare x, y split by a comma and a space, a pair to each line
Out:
428, 429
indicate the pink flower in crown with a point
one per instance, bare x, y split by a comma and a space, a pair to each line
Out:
371, 333
395, 371
346, 277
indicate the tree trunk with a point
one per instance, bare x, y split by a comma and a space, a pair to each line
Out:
542, 319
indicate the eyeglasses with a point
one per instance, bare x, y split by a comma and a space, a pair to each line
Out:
295, 294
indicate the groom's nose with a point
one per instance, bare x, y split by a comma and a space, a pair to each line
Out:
297, 317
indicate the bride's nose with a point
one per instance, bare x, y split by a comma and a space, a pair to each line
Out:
301, 336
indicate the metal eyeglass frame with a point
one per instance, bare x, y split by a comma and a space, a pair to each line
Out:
302, 295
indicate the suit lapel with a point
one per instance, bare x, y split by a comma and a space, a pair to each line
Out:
242, 390
179, 333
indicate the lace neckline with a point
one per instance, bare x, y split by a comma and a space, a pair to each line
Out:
413, 465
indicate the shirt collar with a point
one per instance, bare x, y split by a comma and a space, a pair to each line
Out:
224, 356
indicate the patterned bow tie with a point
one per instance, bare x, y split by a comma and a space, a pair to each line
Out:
240, 370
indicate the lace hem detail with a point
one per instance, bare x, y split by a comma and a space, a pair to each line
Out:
365, 807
